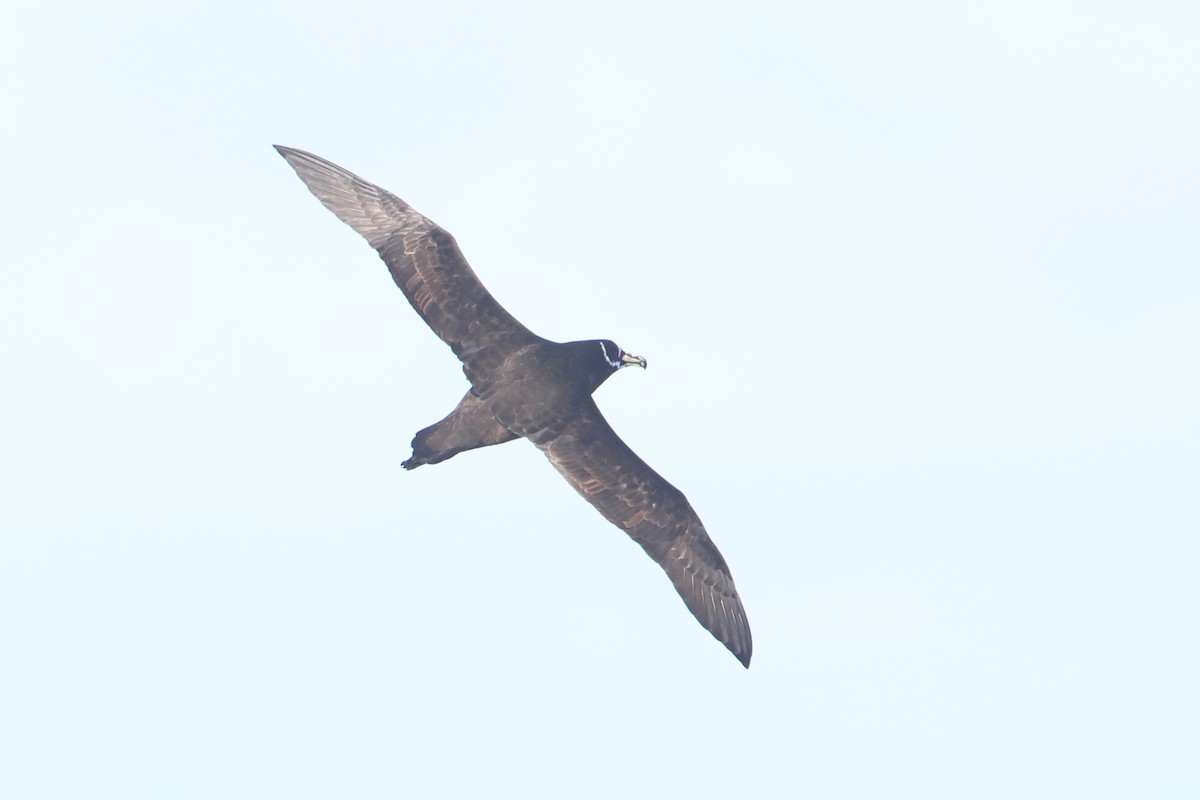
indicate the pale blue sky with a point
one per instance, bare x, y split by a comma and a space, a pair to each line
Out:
919, 286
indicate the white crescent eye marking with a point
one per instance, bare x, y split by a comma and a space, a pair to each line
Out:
611, 362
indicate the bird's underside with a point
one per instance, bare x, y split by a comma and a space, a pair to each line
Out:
524, 386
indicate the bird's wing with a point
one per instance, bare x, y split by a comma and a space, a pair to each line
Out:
635, 498
424, 261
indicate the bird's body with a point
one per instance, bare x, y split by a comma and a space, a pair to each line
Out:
533, 393
524, 386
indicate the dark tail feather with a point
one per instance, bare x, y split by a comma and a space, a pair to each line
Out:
424, 453
468, 426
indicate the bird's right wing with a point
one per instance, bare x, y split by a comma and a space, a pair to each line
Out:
424, 261
656, 515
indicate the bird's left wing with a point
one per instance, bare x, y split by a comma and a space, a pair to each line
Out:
656, 515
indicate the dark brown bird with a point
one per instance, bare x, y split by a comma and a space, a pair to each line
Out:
524, 386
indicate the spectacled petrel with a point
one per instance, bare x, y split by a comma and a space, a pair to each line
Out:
524, 386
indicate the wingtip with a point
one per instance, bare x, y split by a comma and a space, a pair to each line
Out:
292, 154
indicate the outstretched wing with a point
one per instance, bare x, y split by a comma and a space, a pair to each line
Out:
424, 261
656, 515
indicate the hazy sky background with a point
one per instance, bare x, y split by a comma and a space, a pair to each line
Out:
919, 287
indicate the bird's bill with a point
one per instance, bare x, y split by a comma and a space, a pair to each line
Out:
629, 361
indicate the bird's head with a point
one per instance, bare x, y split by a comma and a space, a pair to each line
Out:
593, 361
616, 358
599, 359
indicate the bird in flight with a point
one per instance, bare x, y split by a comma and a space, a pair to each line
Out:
524, 386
